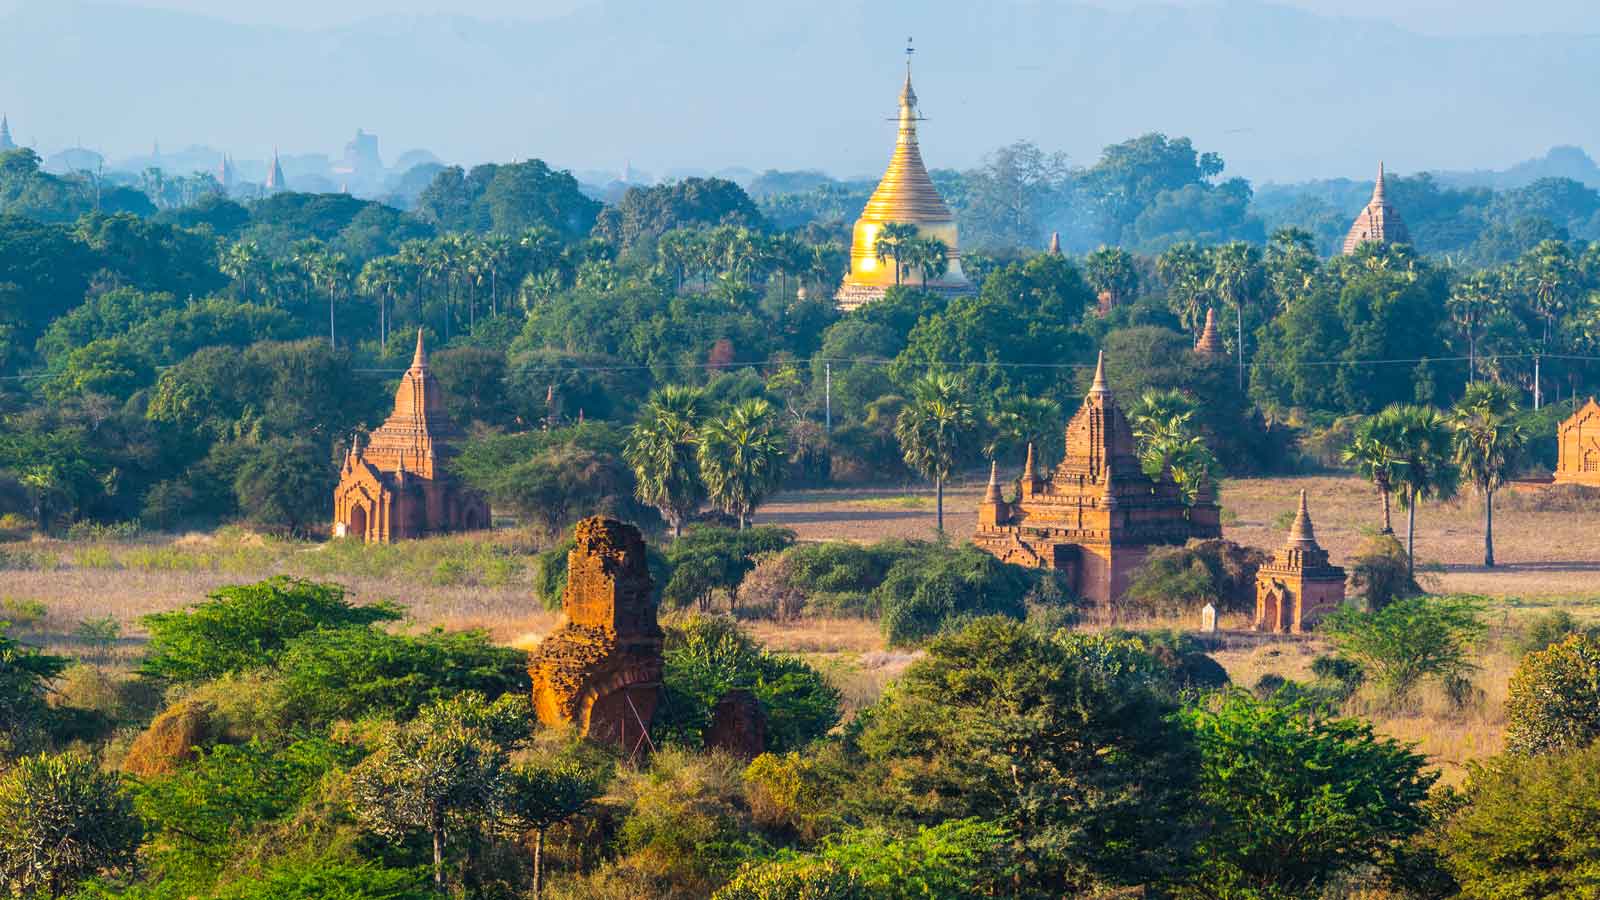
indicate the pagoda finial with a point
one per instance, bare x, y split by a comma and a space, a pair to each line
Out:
1055, 243
1099, 385
1302, 532
992, 494
908, 97
5, 134
419, 360
1377, 188
1027, 464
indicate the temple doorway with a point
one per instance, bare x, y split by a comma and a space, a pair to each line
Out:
357, 527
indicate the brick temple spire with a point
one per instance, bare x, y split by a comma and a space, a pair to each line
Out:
1379, 222
1055, 243
1210, 343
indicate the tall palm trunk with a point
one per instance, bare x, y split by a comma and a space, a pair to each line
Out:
1488, 529
1411, 536
538, 863
1388, 523
938, 503
1238, 320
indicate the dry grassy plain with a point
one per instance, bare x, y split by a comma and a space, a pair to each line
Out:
1549, 559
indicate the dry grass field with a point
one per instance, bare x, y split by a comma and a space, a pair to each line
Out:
1549, 559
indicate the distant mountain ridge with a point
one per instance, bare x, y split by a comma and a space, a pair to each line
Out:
1282, 94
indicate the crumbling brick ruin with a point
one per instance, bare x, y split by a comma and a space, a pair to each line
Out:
601, 670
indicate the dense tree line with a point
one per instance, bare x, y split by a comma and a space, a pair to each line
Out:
181, 363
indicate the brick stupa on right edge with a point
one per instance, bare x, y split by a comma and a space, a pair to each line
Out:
1299, 587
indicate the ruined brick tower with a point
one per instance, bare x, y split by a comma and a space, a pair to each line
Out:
1299, 587
397, 486
1097, 515
601, 670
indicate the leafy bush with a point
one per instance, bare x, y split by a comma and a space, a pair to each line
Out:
1067, 740
343, 673
1551, 628
61, 820
229, 789
25, 675
1554, 698
930, 590
1528, 828
1297, 798
330, 880
1183, 579
687, 820
1409, 640
961, 858
706, 560
706, 657
1172, 581
1381, 572
243, 626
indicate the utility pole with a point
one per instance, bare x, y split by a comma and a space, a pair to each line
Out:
827, 396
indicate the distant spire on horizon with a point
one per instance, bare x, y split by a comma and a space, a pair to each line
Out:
275, 180
5, 135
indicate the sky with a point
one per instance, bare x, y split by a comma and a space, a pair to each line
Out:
1452, 17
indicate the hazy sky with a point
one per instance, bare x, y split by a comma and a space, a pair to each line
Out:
1427, 16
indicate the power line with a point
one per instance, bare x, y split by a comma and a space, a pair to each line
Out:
885, 361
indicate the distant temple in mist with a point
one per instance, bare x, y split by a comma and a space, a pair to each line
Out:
905, 196
6, 143
1378, 223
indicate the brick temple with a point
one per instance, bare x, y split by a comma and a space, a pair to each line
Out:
1097, 515
1299, 587
1578, 447
397, 487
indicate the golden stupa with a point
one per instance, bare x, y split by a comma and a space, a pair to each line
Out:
906, 196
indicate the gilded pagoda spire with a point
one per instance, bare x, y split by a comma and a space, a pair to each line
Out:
904, 196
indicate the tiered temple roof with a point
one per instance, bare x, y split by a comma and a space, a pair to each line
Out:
1379, 222
419, 433
1095, 514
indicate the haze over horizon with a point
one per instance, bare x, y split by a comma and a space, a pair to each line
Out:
1282, 92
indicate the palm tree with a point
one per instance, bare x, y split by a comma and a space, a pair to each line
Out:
891, 243
928, 256
1235, 275
1488, 445
1375, 455
934, 429
1163, 425
1186, 271
742, 455
1424, 450
1470, 305
1110, 271
661, 448
379, 279
243, 264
